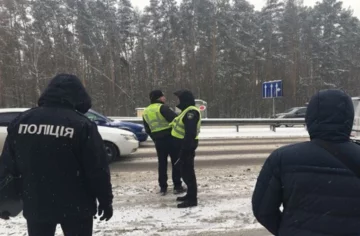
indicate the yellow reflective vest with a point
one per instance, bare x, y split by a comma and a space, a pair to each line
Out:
155, 119
178, 127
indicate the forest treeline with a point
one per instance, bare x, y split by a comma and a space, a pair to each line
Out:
220, 49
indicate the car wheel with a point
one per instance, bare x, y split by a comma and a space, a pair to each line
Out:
111, 152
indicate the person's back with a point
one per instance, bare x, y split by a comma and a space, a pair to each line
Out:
320, 195
61, 158
48, 156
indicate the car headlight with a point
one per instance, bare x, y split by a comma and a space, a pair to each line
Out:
143, 130
129, 136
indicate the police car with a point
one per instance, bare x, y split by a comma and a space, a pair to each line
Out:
118, 142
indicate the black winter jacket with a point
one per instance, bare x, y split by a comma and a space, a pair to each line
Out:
320, 195
60, 154
190, 120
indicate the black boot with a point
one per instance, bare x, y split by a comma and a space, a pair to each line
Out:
163, 191
181, 199
179, 189
187, 203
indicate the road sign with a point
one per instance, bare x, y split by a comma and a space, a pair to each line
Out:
272, 89
202, 105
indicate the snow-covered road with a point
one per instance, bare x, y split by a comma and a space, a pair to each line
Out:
225, 191
224, 207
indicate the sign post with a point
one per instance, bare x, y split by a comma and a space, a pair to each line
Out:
202, 105
273, 90
274, 108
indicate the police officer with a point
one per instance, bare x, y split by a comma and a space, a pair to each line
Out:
157, 118
186, 129
61, 159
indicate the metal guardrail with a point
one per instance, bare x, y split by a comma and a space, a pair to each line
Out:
273, 123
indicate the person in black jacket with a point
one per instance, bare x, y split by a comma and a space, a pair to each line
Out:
319, 194
62, 160
157, 118
185, 131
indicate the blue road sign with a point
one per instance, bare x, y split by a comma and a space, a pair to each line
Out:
272, 89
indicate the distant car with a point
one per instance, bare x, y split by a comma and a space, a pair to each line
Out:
355, 134
118, 142
102, 120
295, 112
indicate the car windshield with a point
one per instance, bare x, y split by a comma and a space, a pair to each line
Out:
93, 115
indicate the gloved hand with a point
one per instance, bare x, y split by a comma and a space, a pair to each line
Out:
5, 215
105, 212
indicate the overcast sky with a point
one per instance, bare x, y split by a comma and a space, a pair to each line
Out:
354, 4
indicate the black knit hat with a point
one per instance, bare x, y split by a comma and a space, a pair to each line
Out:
155, 95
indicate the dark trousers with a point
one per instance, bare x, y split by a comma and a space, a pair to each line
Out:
165, 148
70, 228
188, 174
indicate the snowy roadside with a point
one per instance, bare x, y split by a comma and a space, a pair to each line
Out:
253, 132
208, 133
224, 206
